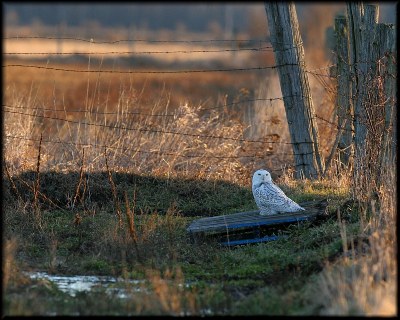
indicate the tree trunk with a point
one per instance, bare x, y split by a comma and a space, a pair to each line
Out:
289, 56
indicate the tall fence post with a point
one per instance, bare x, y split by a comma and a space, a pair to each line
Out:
385, 46
343, 102
372, 51
391, 91
362, 21
289, 56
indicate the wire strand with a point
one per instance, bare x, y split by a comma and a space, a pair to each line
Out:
148, 130
146, 71
145, 151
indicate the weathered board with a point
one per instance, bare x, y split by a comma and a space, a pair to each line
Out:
248, 224
244, 220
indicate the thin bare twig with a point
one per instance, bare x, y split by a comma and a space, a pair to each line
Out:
130, 217
13, 186
114, 190
37, 182
80, 181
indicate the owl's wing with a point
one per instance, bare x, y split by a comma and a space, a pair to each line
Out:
272, 195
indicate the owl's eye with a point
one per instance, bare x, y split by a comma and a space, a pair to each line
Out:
259, 174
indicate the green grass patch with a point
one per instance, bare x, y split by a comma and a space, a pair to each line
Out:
265, 278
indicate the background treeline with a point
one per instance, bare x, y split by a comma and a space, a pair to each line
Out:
154, 16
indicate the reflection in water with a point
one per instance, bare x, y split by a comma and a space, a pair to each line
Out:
74, 284
114, 286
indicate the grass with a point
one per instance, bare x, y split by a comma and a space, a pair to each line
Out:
99, 246
277, 278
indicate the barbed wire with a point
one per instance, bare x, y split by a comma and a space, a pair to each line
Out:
148, 71
92, 41
151, 130
153, 114
333, 124
315, 72
160, 71
236, 40
254, 49
129, 113
168, 153
136, 40
139, 52
327, 68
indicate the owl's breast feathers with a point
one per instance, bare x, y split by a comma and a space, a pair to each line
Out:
270, 195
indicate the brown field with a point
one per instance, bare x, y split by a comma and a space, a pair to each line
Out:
230, 97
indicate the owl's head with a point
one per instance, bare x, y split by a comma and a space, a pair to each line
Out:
261, 176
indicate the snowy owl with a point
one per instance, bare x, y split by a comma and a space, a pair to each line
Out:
269, 198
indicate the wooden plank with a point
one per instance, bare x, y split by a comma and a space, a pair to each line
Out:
251, 219
243, 220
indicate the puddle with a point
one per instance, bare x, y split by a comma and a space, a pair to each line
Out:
73, 284
114, 286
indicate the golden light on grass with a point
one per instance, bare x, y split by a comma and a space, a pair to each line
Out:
364, 281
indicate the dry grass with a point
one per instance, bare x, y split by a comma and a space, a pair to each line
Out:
170, 294
148, 151
364, 282
179, 96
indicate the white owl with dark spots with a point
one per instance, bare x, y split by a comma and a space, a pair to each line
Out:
269, 198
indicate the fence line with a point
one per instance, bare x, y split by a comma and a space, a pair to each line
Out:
127, 113
150, 130
137, 40
146, 71
262, 49
154, 114
160, 72
145, 151
91, 40
333, 124
257, 49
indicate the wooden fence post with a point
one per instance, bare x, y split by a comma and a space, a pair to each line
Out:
343, 102
362, 21
289, 56
385, 46
391, 90
372, 52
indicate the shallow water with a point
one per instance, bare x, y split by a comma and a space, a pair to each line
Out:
73, 284
118, 287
